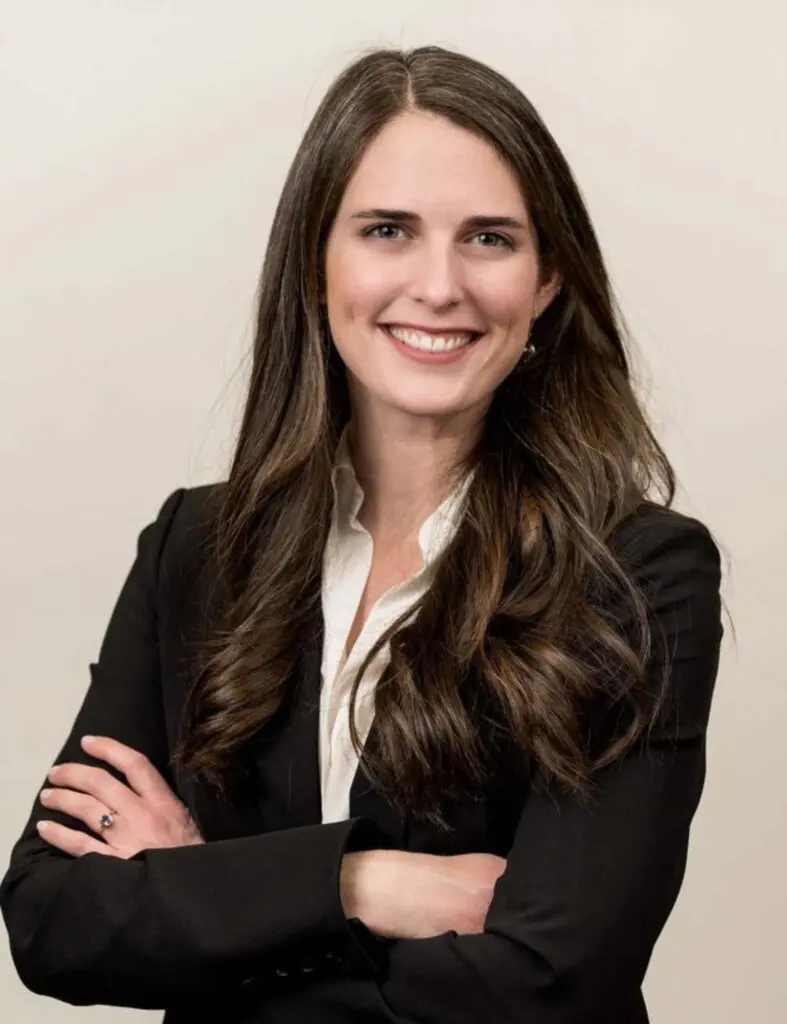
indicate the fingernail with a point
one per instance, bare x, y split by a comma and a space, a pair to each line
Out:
45, 793
88, 739
42, 826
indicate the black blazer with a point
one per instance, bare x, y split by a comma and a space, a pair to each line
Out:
250, 927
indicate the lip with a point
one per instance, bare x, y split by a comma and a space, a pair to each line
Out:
437, 331
432, 358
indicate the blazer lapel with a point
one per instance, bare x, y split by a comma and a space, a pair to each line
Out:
282, 777
280, 785
301, 755
367, 802
282, 788
287, 768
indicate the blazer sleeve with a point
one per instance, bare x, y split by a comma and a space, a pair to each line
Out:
169, 924
587, 889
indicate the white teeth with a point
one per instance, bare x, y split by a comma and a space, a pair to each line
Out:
430, 342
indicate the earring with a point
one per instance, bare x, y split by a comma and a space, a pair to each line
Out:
530, 349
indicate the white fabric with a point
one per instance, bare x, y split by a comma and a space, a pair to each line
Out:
347, 561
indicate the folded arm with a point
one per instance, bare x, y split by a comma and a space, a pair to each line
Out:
587, 888
167, 924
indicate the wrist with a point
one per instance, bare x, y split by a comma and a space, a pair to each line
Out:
367, 881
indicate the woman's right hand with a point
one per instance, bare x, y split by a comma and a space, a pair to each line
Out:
403, 895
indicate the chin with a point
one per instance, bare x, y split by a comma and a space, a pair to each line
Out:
427, 406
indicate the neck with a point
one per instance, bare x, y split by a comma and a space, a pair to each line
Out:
405, 469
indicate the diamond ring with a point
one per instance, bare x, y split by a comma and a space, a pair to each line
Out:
106, 821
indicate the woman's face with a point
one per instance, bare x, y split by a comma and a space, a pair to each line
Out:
431, 272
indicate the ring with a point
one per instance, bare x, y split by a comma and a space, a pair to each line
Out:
106, 821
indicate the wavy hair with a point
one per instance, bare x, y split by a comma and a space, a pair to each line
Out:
525, 650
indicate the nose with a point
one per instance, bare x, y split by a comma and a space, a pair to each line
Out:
436, 276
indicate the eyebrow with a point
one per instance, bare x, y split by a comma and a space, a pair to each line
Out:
476, 221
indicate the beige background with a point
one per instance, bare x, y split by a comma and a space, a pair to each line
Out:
144, 143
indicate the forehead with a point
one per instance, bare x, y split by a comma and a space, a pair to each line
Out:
420, 161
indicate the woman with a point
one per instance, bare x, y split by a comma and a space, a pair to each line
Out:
434, 553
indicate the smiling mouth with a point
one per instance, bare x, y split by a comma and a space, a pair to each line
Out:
435, 342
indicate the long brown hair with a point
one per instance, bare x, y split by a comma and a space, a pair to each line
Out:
565, 455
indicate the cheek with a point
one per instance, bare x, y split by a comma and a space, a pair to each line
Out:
508, 297
357, 287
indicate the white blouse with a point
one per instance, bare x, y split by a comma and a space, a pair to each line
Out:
347, 561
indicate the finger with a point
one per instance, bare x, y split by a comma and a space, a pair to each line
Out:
78, 805
141, 775
98, 783
77, 844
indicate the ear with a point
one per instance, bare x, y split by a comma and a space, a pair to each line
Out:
547, 291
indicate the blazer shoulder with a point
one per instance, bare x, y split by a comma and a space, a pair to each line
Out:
184, 524
675, 563
655, 541
195, 508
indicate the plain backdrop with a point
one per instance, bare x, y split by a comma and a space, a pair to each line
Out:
143, 145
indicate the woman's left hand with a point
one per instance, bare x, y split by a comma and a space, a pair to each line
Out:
143, 815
